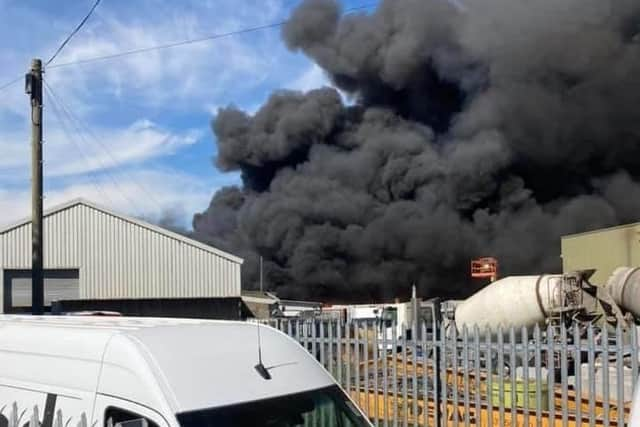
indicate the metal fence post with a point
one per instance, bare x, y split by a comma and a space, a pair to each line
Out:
339, 327
357, 378
500, 378
620, 374
577, 342
348, 354
512, 373
414, 379
591, 375
465, 374
394, 366
436, 343
605, 376
551, 371
405, 395
365, 361
425, 379
385, 376
444, 416
376, 383
524, 337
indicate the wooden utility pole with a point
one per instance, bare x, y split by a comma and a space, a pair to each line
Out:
33, 86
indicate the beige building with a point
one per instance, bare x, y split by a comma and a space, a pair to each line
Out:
604, 250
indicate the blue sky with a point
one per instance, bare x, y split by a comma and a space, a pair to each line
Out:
137, 135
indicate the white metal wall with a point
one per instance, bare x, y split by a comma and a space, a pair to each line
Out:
121, 258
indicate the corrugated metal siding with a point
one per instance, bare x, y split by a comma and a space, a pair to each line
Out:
121, 259
603, 250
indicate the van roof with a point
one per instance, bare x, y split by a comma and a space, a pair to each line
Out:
182, 364
102, 323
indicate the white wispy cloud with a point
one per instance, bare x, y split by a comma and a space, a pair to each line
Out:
148, 193
192, 73
75, 150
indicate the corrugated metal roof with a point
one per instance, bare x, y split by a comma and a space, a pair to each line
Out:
132, 220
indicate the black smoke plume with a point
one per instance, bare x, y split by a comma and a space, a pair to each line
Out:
488, 127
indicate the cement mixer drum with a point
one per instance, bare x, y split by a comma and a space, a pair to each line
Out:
516, 301
624, 287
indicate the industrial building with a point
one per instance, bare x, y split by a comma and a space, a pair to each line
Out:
604, 250
95, 258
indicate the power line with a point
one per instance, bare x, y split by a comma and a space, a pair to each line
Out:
61, 106
83, 127
58, 105
167, 46
65, 130
179, 43
12, 82
191, 41
73, 33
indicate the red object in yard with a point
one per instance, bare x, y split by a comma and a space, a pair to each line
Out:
484, 268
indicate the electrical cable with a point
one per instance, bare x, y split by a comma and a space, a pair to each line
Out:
144, 190
177, 44
64, 43
60, 107
83, 127
73, 33
12, 82
191, 41
65, 129
56, 102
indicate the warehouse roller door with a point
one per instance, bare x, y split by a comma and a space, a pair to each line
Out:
58, 285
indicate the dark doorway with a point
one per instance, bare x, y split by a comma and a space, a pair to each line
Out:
58, 285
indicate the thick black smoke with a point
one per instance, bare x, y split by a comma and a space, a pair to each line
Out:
488, 128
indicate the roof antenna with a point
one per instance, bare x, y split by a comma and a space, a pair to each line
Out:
260, 368
264, 373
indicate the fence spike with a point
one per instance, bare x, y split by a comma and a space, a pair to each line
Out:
57, 422
13, 420
35, 419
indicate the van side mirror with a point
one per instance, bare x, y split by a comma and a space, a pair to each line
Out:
140, 422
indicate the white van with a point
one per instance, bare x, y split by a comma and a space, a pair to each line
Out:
164, 372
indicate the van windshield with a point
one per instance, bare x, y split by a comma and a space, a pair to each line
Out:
319, 408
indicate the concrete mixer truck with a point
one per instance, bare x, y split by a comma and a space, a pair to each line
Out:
526, 301
551, 301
